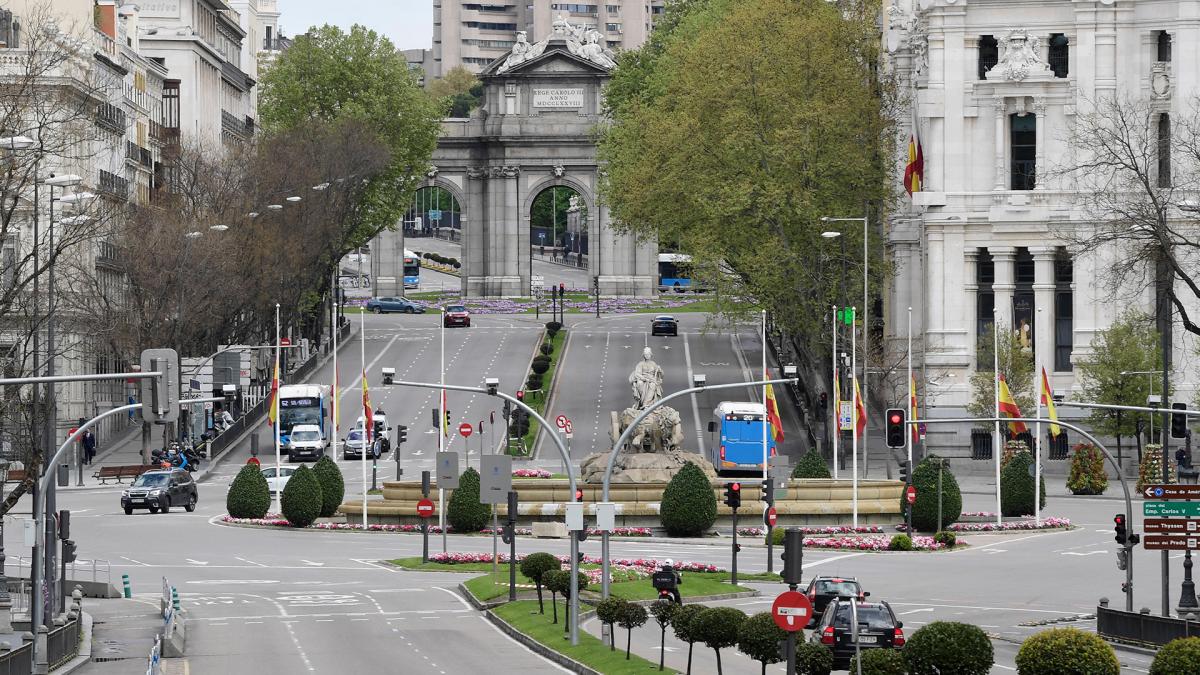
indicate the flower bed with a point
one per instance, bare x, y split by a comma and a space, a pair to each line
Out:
531, 473
275, 520
644, 565
1012, 526
870, 543
827, 529
607, 305
978, 514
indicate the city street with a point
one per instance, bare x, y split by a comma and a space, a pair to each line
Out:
552, 273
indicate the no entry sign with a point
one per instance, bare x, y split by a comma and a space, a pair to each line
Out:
465, 429
791, 611
771, 516
425, 508
910, 495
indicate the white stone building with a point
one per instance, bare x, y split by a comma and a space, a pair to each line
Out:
997, 86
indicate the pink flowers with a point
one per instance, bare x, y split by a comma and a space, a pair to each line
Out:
828, 529
531, 473
638, 566
1016, 525
869, 543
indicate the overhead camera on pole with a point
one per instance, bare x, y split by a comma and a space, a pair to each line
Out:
160, 395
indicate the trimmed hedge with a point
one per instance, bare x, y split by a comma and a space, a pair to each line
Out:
547, 349
333, 486
1016, 486
717, 628
900, 542
1177, 656
949, 648
249, 495
689, 505
947, 537
811, 465
924, 511
301, 501
880, 662
759, 638
813, 658
1088, 476
1067, 651
464, 511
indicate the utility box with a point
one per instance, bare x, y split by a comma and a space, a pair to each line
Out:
574, 516
606, 516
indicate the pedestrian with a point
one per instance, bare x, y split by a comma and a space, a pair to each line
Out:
89, 447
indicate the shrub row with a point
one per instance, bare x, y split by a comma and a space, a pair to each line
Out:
308, 495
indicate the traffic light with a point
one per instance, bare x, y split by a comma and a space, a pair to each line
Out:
733, 495
793, 555
895, 427
447, 418
905, 472
507, 410
68, 551
1122, 558
160, 395
1119, 527
824, 400
435, 416
768, 491
1178, 421
64, 524
401, 434
520, 394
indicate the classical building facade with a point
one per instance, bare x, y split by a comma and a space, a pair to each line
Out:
995, 88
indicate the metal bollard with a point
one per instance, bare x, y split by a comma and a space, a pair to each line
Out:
125, 584
175, 599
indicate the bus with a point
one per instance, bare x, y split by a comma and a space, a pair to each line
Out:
739, 449
673, 272
303, 404
412, 270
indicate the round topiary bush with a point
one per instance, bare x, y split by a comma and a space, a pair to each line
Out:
759, 638
553, 327
813, 658
534, 566
811, 465
717, 628
540, 366
1088, 476
301, 500
924, 511
1016, 486
333, 486
880, 662
681, 624
464, 512
609, 611
689, 505
1177, 656
547, 348
947, 537
1067, 651
533, 382
900, 542
249, 495
949, 648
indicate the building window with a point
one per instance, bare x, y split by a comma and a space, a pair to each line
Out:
485, 25
1023, 298
612, 27
989, 54
1023, 150
985, 303
576, 8
613, 9
1059, 54
1163, 38
1063, 312
1164, 150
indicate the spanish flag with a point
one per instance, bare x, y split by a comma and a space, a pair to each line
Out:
773, 414
860, 411
912, 405
1009, 407
1048, 400
273, 408
837, 402
445, 418
914, 171
368, 414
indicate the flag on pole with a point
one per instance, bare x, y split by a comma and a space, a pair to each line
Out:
860, 411
444, 423
1047, 395
273, 408
368, 414
1009, 407
912, 405
773, 414
837, 401
914, 170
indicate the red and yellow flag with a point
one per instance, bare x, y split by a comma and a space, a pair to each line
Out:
1009, 407
1047, 395
837, 402
860, 411
912, 407
273, 408
368, 414
773, 414
445, 423
914, 170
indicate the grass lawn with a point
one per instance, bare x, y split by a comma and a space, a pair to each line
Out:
524, 616
488, 587
694, 585
539, 403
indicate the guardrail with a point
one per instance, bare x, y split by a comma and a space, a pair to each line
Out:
154, 661
18, 661
62, 643
1142, 628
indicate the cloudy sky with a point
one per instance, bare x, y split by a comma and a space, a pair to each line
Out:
409, 23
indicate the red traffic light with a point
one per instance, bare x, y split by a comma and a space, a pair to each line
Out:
1119, 519
578, 495
895, 418
736, 487
520, 394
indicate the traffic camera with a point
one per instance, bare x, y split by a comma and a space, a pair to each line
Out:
1178, 421
492, 384
733, 495
895, 427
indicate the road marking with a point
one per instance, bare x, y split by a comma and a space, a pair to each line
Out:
915, 611
836, 557
136, 562
1084, 553
249, 561
456, 596
196, 562
506, 636
989, 609
315, 564
687, 359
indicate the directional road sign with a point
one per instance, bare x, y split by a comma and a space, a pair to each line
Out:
791, 610
1172, 526
1160, 509
1170, 542
1171, 492
425, 508
465, 429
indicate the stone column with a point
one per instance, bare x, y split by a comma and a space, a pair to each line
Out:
516, 243
1043, 299
936, 313
971, 300
999, 110
476, 244
1039, 111
1003, 258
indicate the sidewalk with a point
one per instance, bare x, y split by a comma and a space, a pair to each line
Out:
123, 633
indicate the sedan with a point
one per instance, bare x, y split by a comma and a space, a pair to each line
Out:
276, 484
393, 304
457, 315
664, 325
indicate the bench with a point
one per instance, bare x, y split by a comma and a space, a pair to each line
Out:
15, 476
120, 473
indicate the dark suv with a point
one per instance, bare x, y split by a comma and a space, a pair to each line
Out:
877, 629
159, 491
823, 589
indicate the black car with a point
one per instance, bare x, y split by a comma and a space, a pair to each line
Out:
823, 589
159, 490
877, 629
664, 325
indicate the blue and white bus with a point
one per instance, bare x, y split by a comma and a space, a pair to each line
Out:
739, 447
303, 404
673, 272
412, 270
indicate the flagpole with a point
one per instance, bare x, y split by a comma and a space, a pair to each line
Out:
854, 415
1037, 444
278, 418
766, 411
367, 432
837, 397
334, 398
996, 387
441, 430
908, 441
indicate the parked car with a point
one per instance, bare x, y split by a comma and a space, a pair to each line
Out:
394, 304
877, 629
821, 590
664, 325
305, 442
456, 315
159, 490
276, 484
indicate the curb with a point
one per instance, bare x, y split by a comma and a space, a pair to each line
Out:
539, 648
484, 605
536, 451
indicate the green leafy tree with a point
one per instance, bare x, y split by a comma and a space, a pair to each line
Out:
1177, 656
556, 582
689, 505
632, 616
717, 628
301, 500
534, 567
330, 74
1016, 486
249, 495
683, 626
949, 648
464, 511
925, 509
788, 133
608, 611
1063, 651
549, 211
1129, 345
663, 612
811, 465
333, 486
1016, 365
813, 658
458, 91
759, 638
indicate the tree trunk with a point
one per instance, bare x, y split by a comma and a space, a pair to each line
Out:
541, 608
662, 647
612, 637
719, 671
689, 668
628, 641
145, 442
554, 606
764, 668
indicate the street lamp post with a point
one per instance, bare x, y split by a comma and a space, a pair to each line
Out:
835, 386
1188, 607
866, 324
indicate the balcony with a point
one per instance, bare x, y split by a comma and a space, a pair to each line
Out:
233, 125
114, 186
110, 118
138, 155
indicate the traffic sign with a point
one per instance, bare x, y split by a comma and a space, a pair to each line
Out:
791, 611
425, 508
910, 494
1159, 509
569, 428
285, 342
561, 421
1186, 491
1170, 542
435, 214
845, 412
254, 461
771, 516
1172, 526
465, 429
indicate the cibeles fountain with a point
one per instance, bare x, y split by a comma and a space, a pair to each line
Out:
654, 451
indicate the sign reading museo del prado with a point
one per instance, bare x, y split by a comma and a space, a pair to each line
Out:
559, 97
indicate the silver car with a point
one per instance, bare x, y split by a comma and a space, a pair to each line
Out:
305, 442
353, 446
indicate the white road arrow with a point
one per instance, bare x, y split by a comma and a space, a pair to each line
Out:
316, 564
1084, 552
196, 562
